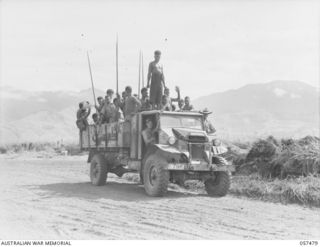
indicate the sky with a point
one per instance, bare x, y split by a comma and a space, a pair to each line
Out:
207, 46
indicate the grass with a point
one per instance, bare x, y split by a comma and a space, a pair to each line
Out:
52, 148
292, 190
300, 190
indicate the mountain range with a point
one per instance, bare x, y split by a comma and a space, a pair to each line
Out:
280, 108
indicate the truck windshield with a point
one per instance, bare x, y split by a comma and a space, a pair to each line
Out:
174, 121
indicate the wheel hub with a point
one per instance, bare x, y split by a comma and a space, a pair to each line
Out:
153, 175
95, 171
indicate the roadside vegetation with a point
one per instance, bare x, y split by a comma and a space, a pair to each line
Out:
286, 170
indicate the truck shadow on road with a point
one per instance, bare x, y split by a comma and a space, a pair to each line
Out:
112, 190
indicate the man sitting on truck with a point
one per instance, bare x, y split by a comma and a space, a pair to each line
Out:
145, 101
169, 99
95, 118
108, 112
208, 126
82, 115
149, 134
166, 103
187, 105
101, 104
110, 93
119, 114
132, 104
180, 105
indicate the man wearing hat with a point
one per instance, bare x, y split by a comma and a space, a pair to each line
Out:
208, 127
155, 74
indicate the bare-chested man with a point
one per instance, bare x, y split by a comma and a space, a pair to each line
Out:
187, 104
132, 104
156, 76
145, 101
148, 133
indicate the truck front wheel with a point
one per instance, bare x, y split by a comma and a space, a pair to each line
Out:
155, 176
219, 185
98, 170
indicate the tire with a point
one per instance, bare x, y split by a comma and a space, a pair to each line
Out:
98, 170
218, 186
155, 176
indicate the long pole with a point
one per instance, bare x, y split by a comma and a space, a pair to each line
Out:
94, 95
142, 69
139, 75
117, 74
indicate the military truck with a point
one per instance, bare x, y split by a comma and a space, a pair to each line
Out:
182, 151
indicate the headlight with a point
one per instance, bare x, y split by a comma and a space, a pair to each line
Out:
172, 140
216, 142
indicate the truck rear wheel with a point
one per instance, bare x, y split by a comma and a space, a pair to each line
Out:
218, 186
98, 170
155, 176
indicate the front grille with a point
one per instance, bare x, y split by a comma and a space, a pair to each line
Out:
197, 152
197, 138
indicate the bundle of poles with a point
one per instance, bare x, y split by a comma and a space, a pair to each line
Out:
141, 73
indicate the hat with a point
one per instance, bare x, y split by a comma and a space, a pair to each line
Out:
206, 111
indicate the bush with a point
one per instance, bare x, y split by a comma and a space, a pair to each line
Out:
3, 150
271, 158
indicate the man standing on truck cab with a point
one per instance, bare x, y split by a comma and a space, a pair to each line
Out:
132, 104
148, 133
208, 127
155, 74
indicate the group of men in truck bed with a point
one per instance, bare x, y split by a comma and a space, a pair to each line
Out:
114, 109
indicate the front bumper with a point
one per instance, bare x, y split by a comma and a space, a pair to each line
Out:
195, 166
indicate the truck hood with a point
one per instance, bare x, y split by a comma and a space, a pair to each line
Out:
190, 135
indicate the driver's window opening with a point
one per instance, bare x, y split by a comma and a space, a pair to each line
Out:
153, 119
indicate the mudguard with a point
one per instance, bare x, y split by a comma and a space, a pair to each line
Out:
92, 152
166, 151
170, 153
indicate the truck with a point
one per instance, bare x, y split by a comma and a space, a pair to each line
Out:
182, 151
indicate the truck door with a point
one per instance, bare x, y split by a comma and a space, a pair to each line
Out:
135, 144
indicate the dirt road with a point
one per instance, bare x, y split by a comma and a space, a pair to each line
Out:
51, 198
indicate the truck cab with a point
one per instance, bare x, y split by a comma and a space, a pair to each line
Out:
182, 150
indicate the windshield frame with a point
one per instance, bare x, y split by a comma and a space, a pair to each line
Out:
183, 115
